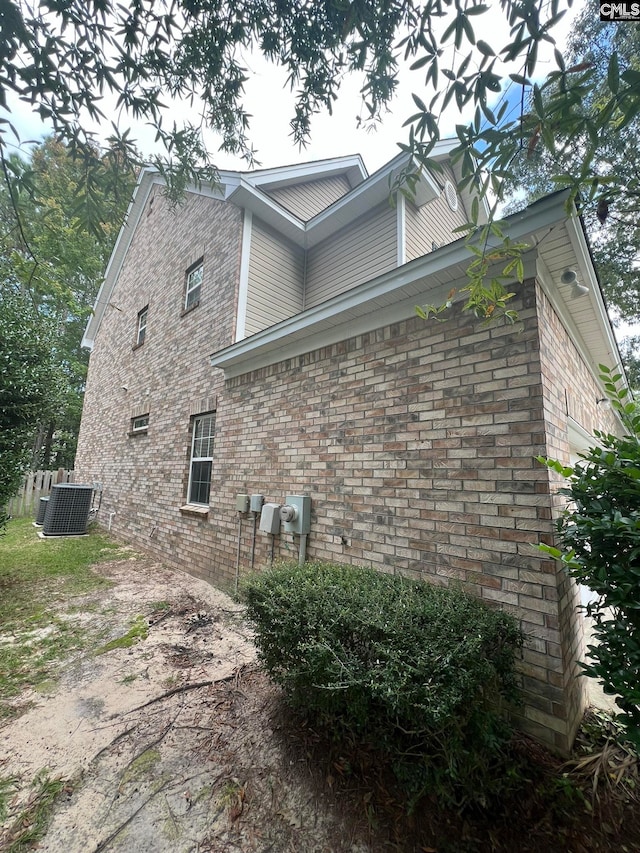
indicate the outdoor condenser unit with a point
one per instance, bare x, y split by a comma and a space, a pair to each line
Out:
68, 510
42, 508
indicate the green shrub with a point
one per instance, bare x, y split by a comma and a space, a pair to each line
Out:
599, 537
419, 669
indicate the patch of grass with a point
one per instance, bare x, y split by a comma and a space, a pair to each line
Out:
31, 823
7, 787
34, 572
139, 768
159, 606
34, 575
138, 631
129, 679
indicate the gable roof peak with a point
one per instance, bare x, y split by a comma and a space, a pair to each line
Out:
350, 166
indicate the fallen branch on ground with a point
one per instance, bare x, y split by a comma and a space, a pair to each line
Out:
186, 687
113, 742
107, 841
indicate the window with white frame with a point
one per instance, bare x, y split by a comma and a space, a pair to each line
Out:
201, 459
139, 424
193, 285
142, 325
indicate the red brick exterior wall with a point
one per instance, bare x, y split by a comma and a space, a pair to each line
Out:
416, 443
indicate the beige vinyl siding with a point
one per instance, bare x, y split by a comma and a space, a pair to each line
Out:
276, 273
309, 198
434, 222
354, 255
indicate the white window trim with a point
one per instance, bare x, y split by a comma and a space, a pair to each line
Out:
189, 288
193, 458
142, 325
140, 427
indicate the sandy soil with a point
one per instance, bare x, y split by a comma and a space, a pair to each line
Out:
172, 744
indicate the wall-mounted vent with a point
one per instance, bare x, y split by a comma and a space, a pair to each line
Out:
68, 510
451, 195
42, 508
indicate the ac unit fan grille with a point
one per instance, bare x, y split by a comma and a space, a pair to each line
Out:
67, 512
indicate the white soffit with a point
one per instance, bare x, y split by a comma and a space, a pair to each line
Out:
584, 315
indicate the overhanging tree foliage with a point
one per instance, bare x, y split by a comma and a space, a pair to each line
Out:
613, 224
65, 58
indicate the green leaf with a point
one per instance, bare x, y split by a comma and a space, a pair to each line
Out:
613, 73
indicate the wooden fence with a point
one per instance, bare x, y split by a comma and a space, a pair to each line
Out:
36, 485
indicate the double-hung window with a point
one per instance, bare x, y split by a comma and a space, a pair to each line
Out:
142, 325
193, 285
201, 459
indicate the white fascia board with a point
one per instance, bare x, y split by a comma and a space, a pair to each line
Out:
259, 203
385, 299
359, 201
372, 192
282, 176
578, 435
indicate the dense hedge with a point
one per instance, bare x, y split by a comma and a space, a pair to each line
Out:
599, 538
420, 669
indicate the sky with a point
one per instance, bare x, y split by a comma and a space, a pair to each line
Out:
271, 105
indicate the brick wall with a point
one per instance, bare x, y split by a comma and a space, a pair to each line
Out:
569, 393
145, 476
416, 443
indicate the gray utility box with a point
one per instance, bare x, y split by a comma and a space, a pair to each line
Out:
300, 520
270, 518
242, 503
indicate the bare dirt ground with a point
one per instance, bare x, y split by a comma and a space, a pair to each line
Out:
172, 744
180, 743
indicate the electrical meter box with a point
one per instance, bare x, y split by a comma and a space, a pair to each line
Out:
296, 514
242, 503
270, 518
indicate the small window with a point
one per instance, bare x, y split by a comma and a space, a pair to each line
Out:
139, 424
193, 286
142, 325
201, 459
